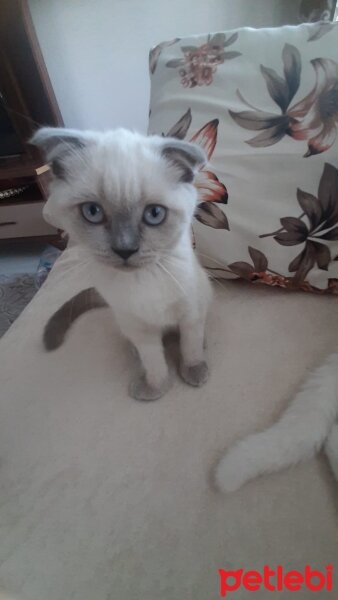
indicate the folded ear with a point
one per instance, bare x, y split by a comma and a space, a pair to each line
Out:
186, 156
57, 143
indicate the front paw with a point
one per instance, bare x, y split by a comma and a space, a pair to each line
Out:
195, 375
139, 389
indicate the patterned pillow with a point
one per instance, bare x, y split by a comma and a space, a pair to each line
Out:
264, 105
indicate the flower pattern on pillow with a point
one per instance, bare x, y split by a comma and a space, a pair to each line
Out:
199, 63
317, 114
314, 118
259, 272
155, 53
316, 227
297, 87
317, 224
210, 189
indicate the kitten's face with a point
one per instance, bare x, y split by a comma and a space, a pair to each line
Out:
127, 198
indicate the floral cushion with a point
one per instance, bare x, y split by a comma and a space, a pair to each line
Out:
264, 105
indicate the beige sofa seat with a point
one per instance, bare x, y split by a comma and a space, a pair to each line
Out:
106, 498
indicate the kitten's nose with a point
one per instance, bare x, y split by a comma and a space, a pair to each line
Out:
125, 253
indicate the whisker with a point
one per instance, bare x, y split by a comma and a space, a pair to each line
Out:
208, 267
217, 262
216, 279
173, 259
78, 263
172, 277
211, 275
70, 268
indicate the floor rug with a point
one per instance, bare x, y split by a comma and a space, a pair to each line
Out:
16, 291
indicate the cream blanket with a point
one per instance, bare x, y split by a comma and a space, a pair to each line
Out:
104, 498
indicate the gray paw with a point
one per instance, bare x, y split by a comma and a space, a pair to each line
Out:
196, 375
139, 389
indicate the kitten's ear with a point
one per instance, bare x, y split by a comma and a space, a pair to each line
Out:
57, 143
186, 156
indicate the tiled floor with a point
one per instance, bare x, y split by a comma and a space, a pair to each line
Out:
20, 258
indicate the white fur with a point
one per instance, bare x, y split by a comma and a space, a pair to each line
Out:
147, 303
331, 449
301, 431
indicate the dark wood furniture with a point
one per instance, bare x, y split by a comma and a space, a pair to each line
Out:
27, 98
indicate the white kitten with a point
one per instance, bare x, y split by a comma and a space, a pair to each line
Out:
307, 424
128, 201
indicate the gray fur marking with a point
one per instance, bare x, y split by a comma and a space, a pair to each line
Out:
59, 323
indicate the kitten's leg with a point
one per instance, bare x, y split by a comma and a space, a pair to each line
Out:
152, 381
193, 367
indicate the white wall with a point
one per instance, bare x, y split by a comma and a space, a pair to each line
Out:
96, 51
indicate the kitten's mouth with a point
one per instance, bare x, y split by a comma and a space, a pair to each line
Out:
125, 265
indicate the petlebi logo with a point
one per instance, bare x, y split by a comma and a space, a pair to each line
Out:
275, 580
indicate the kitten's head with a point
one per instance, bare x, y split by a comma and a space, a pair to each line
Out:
127, 198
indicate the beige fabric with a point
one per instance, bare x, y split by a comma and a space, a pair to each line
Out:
106, 498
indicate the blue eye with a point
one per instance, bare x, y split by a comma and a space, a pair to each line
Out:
154, 214
92, 212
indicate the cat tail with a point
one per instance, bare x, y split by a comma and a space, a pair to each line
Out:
59, 323
298, 435
331, 449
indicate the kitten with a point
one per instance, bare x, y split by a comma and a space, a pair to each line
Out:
128, 201
307, 424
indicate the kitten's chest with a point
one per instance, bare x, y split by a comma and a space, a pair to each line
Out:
147, 299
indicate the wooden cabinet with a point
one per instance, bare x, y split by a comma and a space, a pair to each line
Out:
23, 220
26, 101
